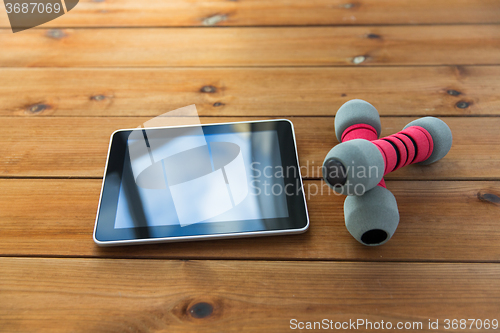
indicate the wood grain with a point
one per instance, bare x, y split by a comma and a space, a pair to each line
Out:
116, 63
77, 147
397, 91
440, 221
300, 46
129, 13
81, 295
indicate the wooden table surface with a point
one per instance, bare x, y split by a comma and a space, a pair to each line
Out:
110, 64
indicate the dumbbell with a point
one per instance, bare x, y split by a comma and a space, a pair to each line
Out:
371, 214
359, 163
373, 217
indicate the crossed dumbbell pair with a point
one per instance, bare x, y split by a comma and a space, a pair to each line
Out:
356, 166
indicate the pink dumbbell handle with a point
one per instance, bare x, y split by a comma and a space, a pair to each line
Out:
412, 145
360, 131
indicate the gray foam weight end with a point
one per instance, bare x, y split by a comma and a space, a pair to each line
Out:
441, 136
364, 166
353, 112
372, 218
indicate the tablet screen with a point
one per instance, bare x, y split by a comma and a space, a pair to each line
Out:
248, 196
194, 181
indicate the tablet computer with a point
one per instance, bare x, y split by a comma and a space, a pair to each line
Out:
201, 182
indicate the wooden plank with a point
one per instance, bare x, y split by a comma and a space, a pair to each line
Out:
400, 91
299, 46
77, 147
440, 221
73, 295
157, 13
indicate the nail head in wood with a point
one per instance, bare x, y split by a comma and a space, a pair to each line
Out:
208, 89
37, 108
201, 310
359, 59
214, 19
489, 197
98, 97
56, 33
